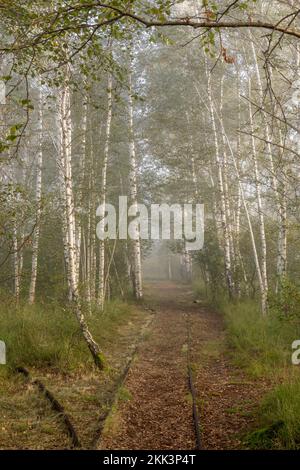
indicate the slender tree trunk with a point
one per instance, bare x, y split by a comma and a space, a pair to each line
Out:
69, 226
282, 238
226, 188
279, 201
101, 293
93, 252
226, 239
170, 275
16, 262
263, 260
36, 234
82, 161
17, 242
255, 254
136, 244
240, 266
239, 259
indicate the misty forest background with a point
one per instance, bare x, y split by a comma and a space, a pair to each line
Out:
95, 105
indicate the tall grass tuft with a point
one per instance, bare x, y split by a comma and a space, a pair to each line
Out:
47, 335
263, 347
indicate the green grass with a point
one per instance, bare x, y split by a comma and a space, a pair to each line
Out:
279, 417
262, 347
124, 394
47, 335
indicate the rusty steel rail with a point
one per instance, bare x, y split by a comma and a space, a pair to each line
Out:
196, 417
55, 405
118, 384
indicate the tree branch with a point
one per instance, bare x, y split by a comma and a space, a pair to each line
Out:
202, 24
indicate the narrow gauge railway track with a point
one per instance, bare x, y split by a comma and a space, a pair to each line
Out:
113, 394
190, 379
55, 405
189, 386
118, 384
95, 441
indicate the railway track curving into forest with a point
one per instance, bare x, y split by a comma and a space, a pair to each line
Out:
189, 413
189, 385
118, 384
58, 408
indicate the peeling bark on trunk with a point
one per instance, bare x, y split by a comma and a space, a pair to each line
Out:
255, 254
280, 204
101, 288
263, 260
240, 266
226, 188
283, 228
226, 239
69, 224
38, 197
136, 244
16, 262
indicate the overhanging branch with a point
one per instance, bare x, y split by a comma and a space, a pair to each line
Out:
203, 23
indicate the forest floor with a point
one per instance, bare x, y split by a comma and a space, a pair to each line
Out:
27, 420
158, 413
153, 407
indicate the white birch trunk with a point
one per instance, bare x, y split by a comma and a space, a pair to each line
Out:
16, 263
226, 240
279, 201
79, 228
263, 260
226, 188
136, 244
255, 254
283, 228
69, 225
101, 288
38, 197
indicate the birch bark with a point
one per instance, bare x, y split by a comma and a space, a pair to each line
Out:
69, 224
136, 243
255, 253
38, 197
261, 218
279, 201
101, 290
226, 240
16, 263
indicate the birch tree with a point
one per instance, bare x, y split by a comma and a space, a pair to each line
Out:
136, 242
263, 258
226, 239
273, 174
70, 225
101, 290
38, 198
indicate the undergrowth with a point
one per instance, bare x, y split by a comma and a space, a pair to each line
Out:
47, 335
262, 346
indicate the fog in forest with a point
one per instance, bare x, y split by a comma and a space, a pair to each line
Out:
118, 119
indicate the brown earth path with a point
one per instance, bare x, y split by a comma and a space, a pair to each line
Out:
157, 413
